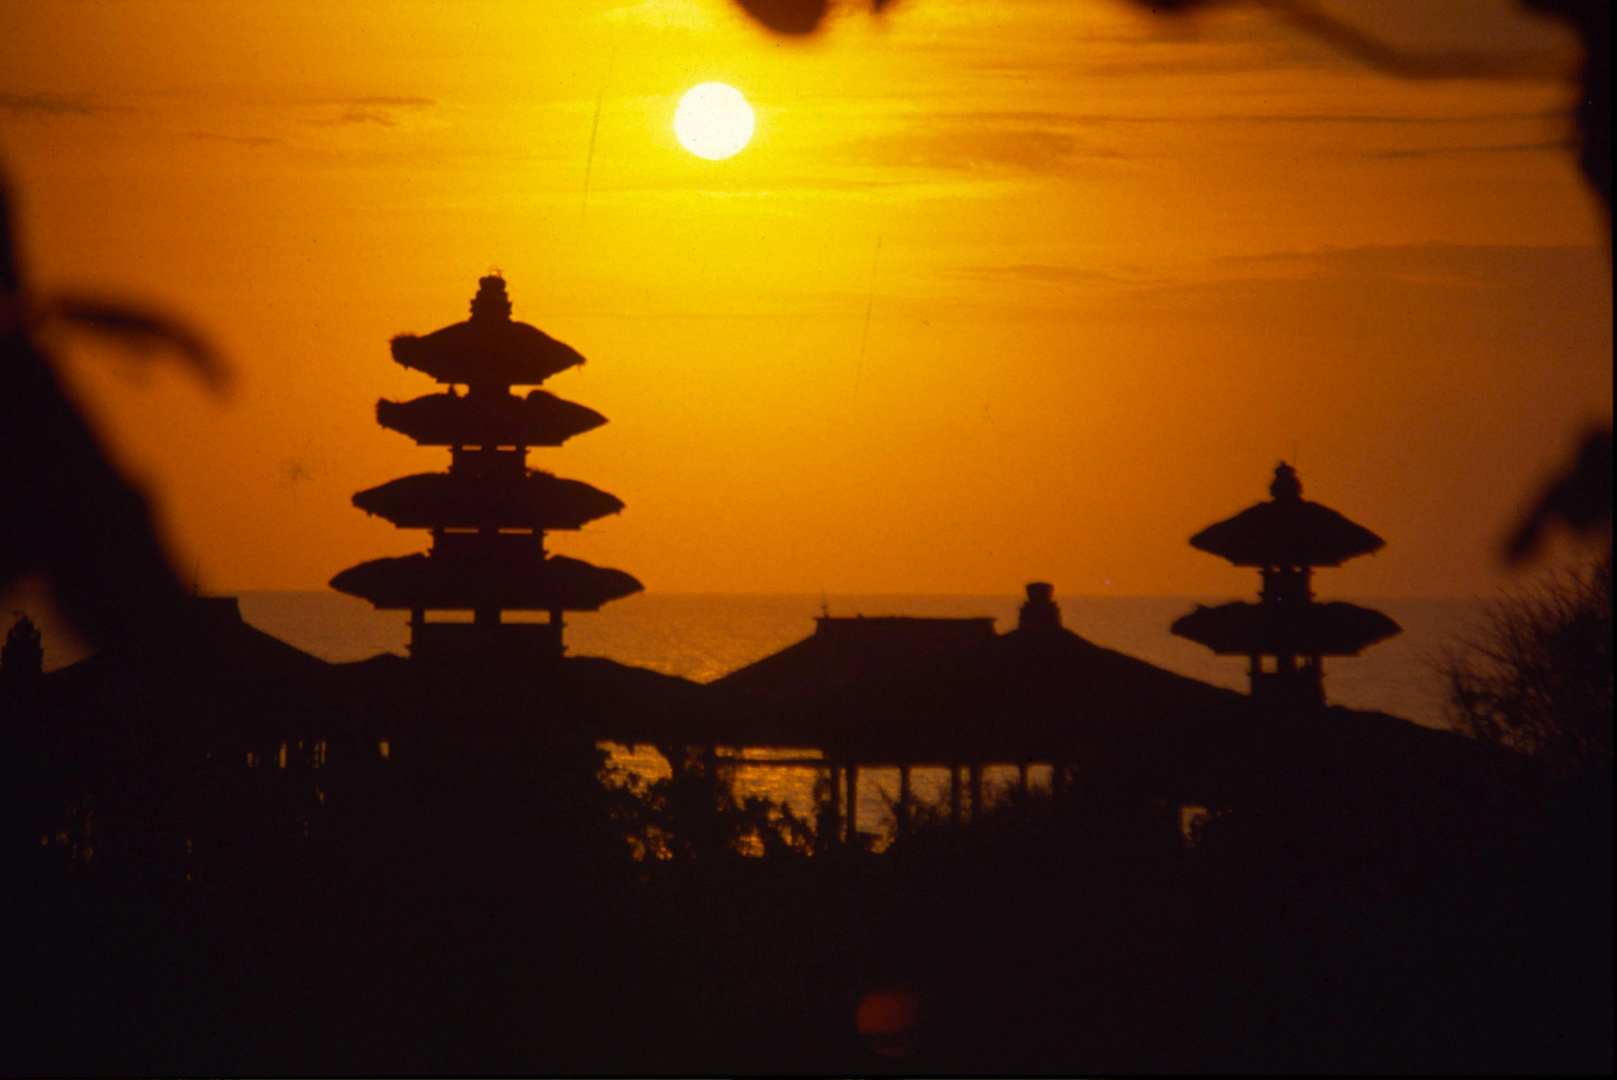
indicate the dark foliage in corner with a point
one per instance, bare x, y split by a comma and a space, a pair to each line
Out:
1538, 676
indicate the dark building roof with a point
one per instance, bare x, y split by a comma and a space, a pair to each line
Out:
208, 670
489, 349
1287, 531
523, 581
951, 689
846, 652
895, 691
1241, 629
540, 419
532, 500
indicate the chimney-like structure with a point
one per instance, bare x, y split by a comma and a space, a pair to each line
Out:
1286, 635
1040, 613
489, 513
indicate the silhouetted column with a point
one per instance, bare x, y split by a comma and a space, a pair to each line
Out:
903, 800
418, 619
853, 804
833, 807
954, 793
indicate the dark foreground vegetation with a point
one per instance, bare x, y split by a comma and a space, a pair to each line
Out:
468, 904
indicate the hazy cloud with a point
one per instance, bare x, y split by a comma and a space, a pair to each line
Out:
664, 15
381, 111
976, 148
1560, 145
1047, 274
1461, 265
1469, 274
45, 103
242, 140
1055, 119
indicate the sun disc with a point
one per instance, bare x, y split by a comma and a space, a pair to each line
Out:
713, 121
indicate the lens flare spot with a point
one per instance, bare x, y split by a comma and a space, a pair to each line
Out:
889, 1020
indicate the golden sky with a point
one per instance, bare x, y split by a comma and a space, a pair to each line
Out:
998, 292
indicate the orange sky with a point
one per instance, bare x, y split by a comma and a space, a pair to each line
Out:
1125, 264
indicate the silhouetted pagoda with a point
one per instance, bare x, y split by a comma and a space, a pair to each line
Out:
1285, 538
489, 513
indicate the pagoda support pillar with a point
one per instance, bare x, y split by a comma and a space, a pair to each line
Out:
852, 817
904, 804
831, 819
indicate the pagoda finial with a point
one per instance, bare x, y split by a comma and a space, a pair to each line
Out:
1285, 484
491, 302
1040, 614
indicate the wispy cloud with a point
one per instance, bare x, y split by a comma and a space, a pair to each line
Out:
1053, 275
977, 148
1458, 266
241, 140
46, 103
1559, 145
381, 111
663, 14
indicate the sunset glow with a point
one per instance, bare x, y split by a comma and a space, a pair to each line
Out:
995, 294
806, 537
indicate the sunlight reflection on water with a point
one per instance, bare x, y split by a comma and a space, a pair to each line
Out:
794, 786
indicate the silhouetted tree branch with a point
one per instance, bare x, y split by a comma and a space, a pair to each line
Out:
65, 511
1538, 677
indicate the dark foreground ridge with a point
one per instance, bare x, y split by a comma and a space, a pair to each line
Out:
225, 856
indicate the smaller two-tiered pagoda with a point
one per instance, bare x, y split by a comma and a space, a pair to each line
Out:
489, 513
1286, 634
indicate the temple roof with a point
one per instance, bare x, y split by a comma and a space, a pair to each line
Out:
1241, 629
519, 583
487, 349
1287, 531
534, 500
499, 419
938, 689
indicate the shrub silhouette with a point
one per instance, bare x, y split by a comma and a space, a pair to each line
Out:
1538, 677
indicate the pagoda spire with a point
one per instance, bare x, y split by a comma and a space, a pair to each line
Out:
1286, 634
489, 513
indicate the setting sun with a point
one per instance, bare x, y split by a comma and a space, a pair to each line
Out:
713, 121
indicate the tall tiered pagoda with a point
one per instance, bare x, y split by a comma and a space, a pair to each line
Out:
489, 513
1286, 634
